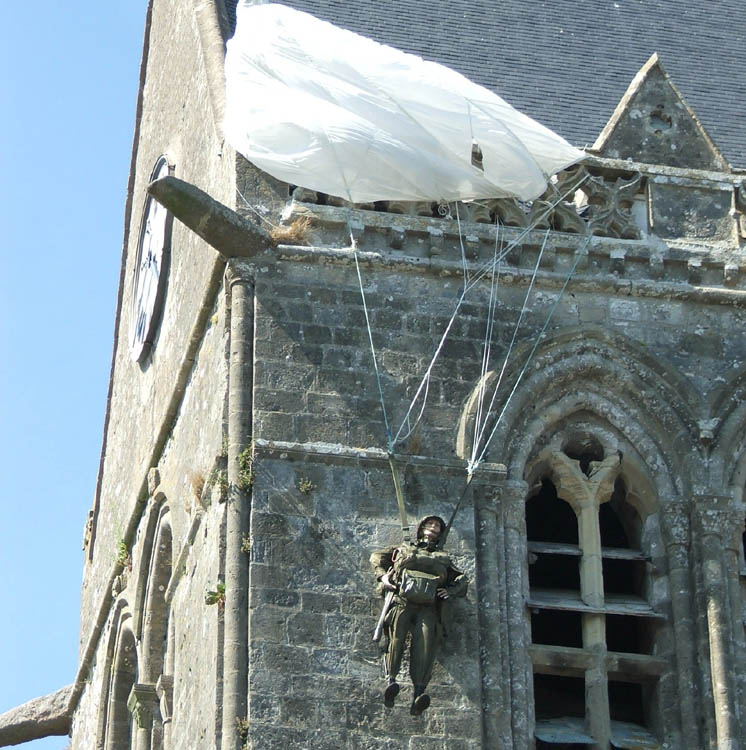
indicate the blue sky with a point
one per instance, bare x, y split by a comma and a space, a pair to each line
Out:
69, 81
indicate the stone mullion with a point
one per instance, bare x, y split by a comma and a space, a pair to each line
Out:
719, 625
733, 527
495, 713
516, 552
594, 625
675, 522
733, 567
585, 493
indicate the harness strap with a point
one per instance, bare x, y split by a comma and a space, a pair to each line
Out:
406, 536
444, 535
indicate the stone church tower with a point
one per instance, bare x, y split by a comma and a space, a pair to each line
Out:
244, 481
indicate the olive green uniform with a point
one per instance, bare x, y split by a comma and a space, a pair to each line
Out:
424, 620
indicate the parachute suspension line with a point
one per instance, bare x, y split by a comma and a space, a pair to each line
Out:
406, 536
490, 265
487, 350
532, 352
389, 442
412, 427
463, 251
425, 382
444, 535
251, 208
480, 427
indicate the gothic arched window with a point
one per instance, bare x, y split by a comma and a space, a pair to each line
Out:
592, 628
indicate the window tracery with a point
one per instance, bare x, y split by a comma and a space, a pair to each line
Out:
592, 627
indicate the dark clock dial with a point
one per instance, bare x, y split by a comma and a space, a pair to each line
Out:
150, 272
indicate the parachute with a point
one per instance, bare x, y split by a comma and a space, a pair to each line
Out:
326, 109
321, 107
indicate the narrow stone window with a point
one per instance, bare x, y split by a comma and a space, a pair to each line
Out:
123, 677
592, 629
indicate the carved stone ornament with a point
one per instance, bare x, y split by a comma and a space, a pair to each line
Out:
741, 209
580, 489
165, 689
675, 523
716, 515
141, 703
610, 206
508, 212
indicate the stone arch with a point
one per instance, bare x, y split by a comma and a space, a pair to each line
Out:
589, 391
155, 510
154, 633
152, 698
120, 676
726, 430
583, 378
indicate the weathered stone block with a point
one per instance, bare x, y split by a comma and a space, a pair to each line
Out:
305, 629
695, 213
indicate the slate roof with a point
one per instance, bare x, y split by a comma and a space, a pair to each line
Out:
567, 64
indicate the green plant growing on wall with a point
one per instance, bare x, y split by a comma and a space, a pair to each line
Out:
242, 727
217, 596
245, 469
246, 544
219, 479
305, 485
123, 556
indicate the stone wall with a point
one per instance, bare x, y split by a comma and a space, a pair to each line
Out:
665, 348
643, 352
315, 673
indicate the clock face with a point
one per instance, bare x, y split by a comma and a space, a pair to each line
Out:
153, 251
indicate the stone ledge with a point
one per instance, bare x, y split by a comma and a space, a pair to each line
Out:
582, 281
336, 453
46, 716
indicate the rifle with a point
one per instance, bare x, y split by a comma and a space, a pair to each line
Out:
384, 611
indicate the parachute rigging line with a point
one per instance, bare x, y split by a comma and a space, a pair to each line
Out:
487, 349
463, 251
490, 265
251, 208
353, 245
479, 430
425, 382
485, 269
580, 253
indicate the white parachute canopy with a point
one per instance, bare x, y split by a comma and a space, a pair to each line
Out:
317, 106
